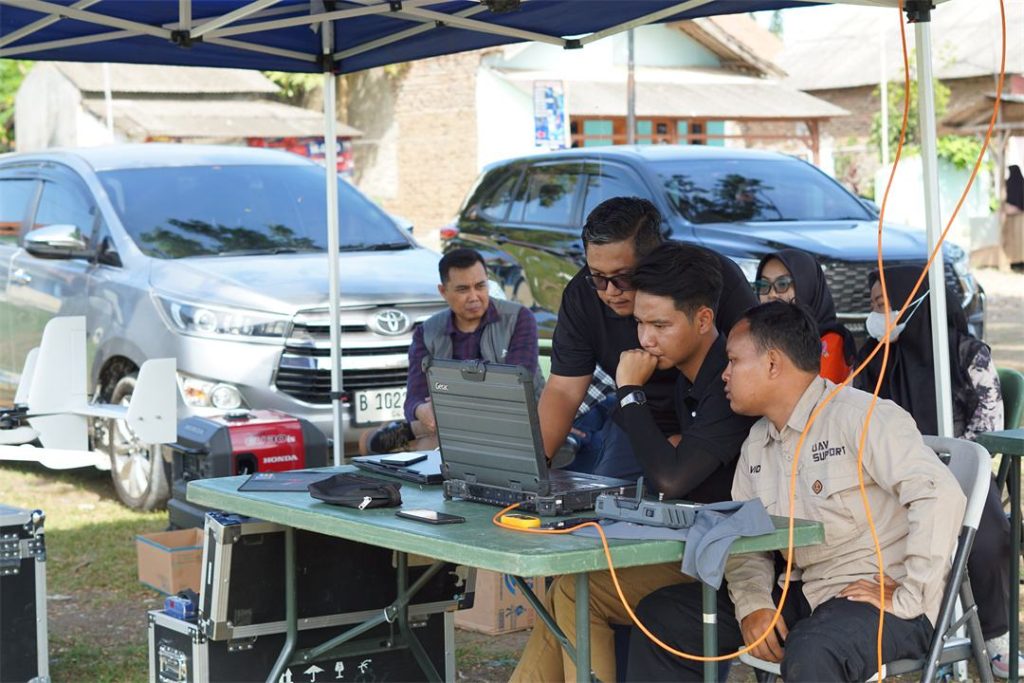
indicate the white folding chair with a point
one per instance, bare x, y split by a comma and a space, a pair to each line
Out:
971, 465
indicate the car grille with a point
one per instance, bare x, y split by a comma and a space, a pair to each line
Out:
369, 360
848, 281
314, 386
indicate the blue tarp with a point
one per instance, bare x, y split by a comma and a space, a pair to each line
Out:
113, 42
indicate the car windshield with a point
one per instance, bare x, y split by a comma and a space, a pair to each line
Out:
175, 212
741, 190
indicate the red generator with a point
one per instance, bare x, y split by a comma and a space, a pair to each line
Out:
239, 442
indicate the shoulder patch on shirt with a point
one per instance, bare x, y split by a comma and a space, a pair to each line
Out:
816, 486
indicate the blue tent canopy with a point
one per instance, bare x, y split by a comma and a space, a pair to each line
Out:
285, 35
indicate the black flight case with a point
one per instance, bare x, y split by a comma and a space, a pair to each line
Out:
179, 652
23, 640
240, 625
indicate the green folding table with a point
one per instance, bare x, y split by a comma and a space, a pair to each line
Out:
475, 543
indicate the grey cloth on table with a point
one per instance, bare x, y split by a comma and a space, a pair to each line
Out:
708, 541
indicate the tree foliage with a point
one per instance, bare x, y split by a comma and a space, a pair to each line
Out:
960, 150
896, 96
294, 86
12, 72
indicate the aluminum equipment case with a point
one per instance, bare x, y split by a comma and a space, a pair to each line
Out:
240, 442
23, 640
338, 581
180, 653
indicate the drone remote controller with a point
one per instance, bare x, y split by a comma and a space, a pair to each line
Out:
673, 514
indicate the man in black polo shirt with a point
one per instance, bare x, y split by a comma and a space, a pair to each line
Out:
595, 325
677, 287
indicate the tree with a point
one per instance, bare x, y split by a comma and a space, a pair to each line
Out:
959, 150
295, 87
896, 96
12, 71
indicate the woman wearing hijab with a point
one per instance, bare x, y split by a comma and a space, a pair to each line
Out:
791, 274
910, 377
909, 381
1013, 223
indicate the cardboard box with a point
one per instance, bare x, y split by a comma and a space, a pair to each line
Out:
499, 605
170, 561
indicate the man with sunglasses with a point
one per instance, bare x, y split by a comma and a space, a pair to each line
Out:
595, 325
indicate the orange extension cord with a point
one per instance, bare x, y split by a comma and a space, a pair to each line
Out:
884, 347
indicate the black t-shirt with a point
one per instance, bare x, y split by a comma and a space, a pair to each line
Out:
701, 467
589, 334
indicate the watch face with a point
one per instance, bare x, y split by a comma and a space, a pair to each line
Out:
637, 397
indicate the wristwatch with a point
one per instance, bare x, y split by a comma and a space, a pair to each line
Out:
637, 397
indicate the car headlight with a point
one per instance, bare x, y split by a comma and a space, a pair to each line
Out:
218, 323
748, 266
201, 393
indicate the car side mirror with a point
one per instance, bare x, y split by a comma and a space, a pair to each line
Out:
59, 241
107, 254
868, 204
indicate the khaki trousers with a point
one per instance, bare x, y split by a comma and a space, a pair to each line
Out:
545, 661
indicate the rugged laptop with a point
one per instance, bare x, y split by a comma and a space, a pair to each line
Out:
491, 448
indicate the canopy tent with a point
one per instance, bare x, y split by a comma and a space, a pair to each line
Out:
335, 36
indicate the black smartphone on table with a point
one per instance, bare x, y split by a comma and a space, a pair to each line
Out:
430, 516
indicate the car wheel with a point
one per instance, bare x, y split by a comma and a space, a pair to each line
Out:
136, 468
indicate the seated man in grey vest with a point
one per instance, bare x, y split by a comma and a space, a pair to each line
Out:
473, 327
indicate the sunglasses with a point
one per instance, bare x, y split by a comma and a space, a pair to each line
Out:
781, 285
600, 282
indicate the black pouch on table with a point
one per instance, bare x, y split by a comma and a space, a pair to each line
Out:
356, 491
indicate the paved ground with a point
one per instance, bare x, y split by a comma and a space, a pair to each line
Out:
1005, 316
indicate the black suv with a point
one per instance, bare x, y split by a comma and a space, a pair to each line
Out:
525, 216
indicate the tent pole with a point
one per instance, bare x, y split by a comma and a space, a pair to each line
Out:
929, 165
630, 89
333, 242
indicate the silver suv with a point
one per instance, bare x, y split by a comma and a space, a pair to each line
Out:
215, 256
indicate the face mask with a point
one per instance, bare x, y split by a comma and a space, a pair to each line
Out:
876, 323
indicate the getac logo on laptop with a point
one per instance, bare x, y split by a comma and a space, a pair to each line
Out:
440, 387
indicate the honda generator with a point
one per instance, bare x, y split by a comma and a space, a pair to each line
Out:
239, 442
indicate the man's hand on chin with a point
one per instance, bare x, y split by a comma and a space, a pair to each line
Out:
756, 623
635, 367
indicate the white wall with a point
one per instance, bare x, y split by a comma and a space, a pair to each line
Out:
906, 199
654, 46
504, 119
48, 113
92, 132
664, 46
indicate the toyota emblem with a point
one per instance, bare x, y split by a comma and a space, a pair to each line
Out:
391, 322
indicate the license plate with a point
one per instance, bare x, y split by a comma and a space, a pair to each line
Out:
379, 405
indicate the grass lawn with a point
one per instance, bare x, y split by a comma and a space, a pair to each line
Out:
97, 605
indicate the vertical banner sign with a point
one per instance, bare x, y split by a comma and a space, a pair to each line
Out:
550, 118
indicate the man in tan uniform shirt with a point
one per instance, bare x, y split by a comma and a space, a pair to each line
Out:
829, 622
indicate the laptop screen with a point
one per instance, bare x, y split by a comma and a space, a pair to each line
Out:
487, 423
